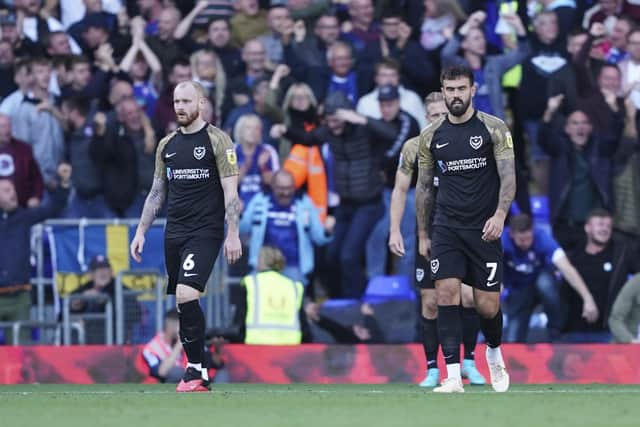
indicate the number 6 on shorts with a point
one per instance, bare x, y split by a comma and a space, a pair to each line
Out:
188, 263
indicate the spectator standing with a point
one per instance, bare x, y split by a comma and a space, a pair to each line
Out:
605, 264
18, 165
145, 70
387, 72
248, 22
417, 70
256, 161
35, 121
87, 198
280, 219
15, 233
356, 157
364, 31
393, 130
581, 169
312, 49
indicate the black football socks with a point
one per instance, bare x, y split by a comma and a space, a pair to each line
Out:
470, 328
192, 325
430, 341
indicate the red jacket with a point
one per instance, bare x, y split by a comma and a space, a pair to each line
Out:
17, 163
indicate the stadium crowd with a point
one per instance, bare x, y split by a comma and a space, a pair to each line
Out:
319, 97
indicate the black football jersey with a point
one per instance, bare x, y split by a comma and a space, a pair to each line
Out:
193, 165
464, 156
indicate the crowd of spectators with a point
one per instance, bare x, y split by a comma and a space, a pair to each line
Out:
319, 96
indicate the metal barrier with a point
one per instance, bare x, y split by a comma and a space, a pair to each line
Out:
216, 300
68, 317
119, 297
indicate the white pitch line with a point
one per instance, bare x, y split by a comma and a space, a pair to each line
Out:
256, 392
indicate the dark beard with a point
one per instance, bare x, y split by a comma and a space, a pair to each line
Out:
190, 119
458, 109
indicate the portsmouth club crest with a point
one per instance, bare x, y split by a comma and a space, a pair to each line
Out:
199, 152
435, 265
476, 142
419, 274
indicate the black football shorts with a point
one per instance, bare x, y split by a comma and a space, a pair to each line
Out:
189, 261
423, 278
461, 253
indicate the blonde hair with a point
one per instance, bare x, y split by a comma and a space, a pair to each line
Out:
271, 258
450, 7
242, 122
220, 79
289, 95
433, 97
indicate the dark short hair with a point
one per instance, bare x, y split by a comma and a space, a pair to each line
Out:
78, 103
608, 65
220, 18
456, 71
598, 213
49, 36
520, 223
182, 61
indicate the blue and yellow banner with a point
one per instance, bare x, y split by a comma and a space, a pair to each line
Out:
73, 247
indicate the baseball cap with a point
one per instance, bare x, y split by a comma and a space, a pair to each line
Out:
336, 101
388, 93
99, 261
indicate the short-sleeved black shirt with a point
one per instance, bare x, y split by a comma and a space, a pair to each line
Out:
464, 156
193, 165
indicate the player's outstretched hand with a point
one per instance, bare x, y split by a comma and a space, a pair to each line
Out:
232, 249
137, 244
493, 228
424, 247
590, 310
396, 243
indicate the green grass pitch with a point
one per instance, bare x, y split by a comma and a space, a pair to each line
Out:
304, 405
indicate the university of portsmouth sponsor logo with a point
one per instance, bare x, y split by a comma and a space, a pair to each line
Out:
199, 152
462, 165
169, 174
475, 142
195, 173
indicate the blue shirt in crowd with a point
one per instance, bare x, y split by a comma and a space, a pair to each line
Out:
146, 96
481, 100
282, 231
251, 183
521, 268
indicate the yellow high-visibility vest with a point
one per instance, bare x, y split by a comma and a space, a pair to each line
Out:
273, 307
512, 77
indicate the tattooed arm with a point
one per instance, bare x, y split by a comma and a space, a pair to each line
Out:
507, 173
424, 192
231, 203
152, 204
232, 245
505, 165
424, 203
